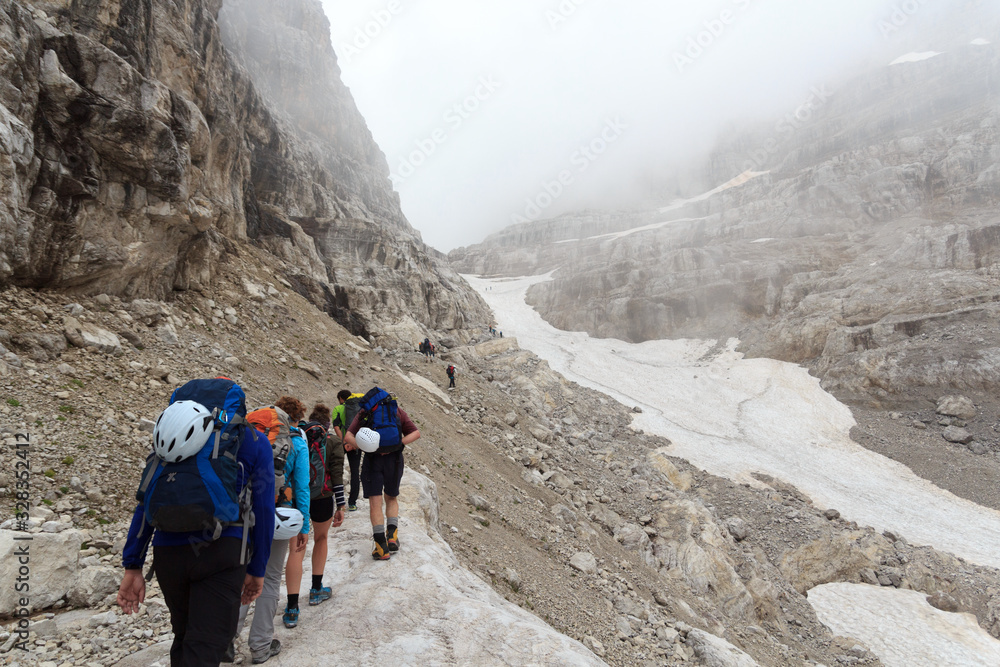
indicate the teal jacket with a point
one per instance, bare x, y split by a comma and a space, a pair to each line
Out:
297, 475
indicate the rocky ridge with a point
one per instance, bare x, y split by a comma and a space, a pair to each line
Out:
545, 491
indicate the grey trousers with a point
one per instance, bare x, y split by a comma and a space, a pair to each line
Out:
262, 627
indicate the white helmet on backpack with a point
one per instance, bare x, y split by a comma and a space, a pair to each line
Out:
367, 440
182, 430
287, 523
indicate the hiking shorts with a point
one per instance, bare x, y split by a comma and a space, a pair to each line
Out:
321, 509
381, 473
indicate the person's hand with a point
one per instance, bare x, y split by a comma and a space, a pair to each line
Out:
252, 588
300, 542
132, 591
338, 517
349, 447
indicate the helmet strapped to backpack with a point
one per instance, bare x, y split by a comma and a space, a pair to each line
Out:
381, 414
367, 440
287, 523
182, 430
198, 490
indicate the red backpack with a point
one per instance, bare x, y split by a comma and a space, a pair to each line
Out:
319, 480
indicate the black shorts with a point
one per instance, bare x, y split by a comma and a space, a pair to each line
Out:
381, 473
321, 509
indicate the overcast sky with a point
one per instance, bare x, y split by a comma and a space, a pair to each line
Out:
482, 108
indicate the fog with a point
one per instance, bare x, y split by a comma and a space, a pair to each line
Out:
494, 113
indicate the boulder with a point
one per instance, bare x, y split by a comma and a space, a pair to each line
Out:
86, 335
53, 560
584, 562
957, 435
93, 584
956, 406
148, 312
40, 346
717, 652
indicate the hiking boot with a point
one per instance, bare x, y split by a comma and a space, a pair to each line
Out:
352, 508
381, 550
230, 654
290, 618
264, 654
392, 539
318, 595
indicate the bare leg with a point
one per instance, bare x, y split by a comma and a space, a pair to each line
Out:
293, 570
321, 531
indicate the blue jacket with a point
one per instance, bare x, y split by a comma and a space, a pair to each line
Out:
297, 475
258, 463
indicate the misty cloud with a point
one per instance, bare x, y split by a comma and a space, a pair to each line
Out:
677, 74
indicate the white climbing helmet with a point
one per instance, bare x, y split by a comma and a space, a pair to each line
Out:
182, 430
367, 440
287, 523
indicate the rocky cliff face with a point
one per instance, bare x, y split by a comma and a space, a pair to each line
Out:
861, 239
138, 153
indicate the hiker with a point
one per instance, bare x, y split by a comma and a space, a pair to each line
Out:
433, 350
298, 477
451, 376
342, 417
326, 484
427, 349
289, 519
201, 563
382, 422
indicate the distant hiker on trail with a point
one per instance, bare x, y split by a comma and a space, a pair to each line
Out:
451, 376
297, 471
326, 483
382, 429
200, 547
342, 417
427, 349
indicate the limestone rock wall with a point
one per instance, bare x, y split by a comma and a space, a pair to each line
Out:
140, 147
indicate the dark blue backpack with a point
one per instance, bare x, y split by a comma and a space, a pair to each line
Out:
200, 494
382, 414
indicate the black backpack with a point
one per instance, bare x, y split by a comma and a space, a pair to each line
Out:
352, 406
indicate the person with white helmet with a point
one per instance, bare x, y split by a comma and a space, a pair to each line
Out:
205, 572
382, 466
288, 523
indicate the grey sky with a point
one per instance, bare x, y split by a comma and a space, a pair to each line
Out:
480, 107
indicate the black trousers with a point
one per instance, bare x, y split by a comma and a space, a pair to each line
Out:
201, 585
354, 459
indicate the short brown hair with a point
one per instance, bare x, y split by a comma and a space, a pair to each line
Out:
320, 413
294, 407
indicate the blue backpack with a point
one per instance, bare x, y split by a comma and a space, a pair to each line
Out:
382, 414
200, 494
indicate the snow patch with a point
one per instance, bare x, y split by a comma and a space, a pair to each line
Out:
980, 42
733, 416
914, 57
743, 178
902, 629
762, 240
